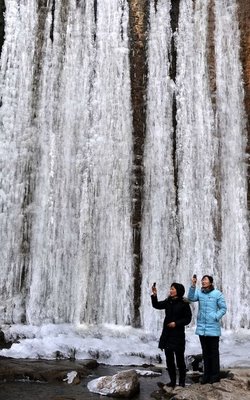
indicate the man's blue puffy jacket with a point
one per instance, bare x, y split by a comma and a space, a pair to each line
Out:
212, 307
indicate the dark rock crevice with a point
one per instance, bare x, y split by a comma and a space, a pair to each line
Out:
38, 57
138, 25
174, 20
95, 19
27, 223
211, 58
244, 24
155, 5
52, 21
95, 11
121, 22
2, 25
211, 65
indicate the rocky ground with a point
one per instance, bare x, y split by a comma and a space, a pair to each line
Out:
235, 387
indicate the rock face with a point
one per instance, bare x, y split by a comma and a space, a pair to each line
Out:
138, 12
2, 10
244, 23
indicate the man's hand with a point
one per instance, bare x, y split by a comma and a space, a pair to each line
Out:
171, 325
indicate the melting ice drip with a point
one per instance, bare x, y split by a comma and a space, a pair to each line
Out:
66, 140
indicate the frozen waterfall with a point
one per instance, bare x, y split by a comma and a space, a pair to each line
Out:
66, 158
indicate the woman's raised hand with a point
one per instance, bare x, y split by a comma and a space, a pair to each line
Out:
194, 280
154, 290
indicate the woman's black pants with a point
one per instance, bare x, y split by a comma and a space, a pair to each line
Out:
211, 358
180, 361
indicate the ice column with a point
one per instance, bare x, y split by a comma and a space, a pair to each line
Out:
160, 242
234, 257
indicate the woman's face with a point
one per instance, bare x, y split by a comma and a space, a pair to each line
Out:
173, 292
205, 282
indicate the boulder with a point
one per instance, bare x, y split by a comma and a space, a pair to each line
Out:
3, 343
125, 384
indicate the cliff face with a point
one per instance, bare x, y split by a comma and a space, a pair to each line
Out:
244, 21
2, 10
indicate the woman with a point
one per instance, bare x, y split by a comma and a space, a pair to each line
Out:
212, 307
172, 340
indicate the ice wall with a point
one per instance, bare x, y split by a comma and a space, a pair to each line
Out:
66, 161
66, 143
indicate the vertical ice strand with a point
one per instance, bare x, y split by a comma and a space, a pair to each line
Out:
88, 159
196, 144
111, 149
231, 130
18, 157
160, 241
211, 212
79, 244
62, 178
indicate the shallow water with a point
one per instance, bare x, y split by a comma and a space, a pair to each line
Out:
61, 391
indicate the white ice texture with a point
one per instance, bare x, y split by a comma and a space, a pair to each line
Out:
66, 169
114, 345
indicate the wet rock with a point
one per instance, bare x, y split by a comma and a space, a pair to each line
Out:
3, 343
125, 384
43, 370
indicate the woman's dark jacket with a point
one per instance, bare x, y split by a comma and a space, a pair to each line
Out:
176, 310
